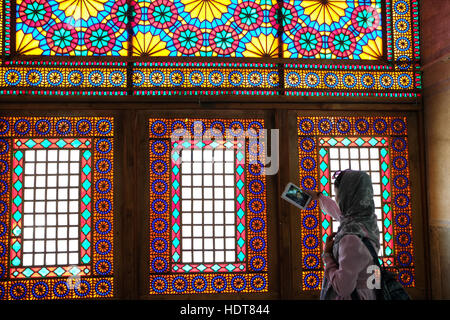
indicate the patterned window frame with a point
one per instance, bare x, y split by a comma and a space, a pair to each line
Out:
315, 134
251, 210
93, 277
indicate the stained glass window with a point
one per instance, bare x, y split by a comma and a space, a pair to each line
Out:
378, 146
207, 206
198, 47
56, 206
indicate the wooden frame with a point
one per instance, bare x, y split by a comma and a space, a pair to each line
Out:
131, 149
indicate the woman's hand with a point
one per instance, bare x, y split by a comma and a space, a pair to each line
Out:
313, 194
329, 243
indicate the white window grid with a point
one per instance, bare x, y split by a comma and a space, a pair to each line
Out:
51, 207
208, 206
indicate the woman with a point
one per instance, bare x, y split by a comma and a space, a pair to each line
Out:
345, 256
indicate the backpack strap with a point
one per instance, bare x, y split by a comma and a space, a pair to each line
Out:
372, 251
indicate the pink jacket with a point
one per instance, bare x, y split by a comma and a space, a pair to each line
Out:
351, 270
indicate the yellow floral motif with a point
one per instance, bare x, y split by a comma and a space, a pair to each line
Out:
373, 50
26, 44
324, 11
81, 9
146, 44
262, 46
206, 9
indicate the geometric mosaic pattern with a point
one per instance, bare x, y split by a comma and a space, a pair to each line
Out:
27, 139
154, 44
247, 270
385, 138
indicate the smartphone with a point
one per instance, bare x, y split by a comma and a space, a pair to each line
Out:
296, 196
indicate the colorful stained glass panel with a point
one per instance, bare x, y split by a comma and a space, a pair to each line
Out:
377, 145
57, 207
208, 224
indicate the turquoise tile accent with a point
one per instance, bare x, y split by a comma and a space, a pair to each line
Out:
323, 152
30, 143
359, 142
86, 214
324, 180
387, 237
228, 144
18, 155
86, 199
16, 246
28, 272
18, 170
74, 271
17, 231
346, 142
86, 229
240, 228
230, 267
18, 185
215, 268
17, 200
76, 143
85, 244
186, 144
176, 228
15, 262
325, 224
213, 145
176, 257
86, 259
87, 154
241, 242
59, 271
61, 143
17, 216
239, 170
200, 144
201, 268
86, 184
46, 143
176, 242
187, 268
241, 256
86, 169
240, 184
332, 142
388, 251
